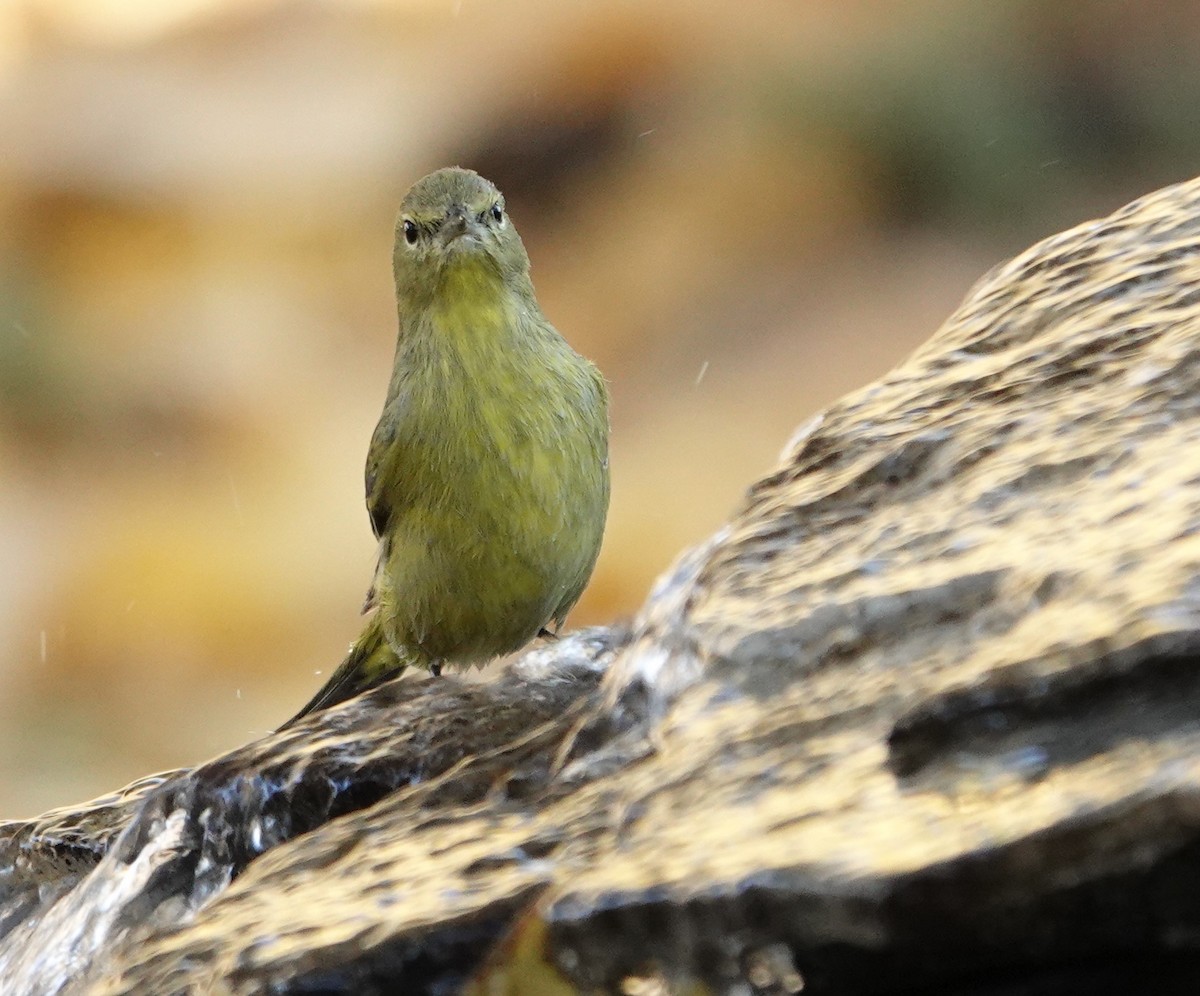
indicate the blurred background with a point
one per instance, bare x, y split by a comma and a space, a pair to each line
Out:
740, 211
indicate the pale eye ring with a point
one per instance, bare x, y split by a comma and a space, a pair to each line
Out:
497, 214
410, 232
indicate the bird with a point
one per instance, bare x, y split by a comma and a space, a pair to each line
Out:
487, 476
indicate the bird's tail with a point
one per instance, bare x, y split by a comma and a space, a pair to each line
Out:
371, 662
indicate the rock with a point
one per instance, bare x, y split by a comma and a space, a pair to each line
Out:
923, 717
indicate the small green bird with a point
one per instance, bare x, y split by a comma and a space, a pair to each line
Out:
487, 476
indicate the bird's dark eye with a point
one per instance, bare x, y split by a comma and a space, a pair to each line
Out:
410, 232
497, 213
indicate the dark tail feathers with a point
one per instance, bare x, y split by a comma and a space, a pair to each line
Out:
370, 663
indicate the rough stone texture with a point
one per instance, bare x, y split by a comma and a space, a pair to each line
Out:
924, 717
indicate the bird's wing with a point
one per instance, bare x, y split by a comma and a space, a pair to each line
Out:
386, 493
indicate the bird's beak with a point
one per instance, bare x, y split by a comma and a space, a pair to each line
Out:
458, 224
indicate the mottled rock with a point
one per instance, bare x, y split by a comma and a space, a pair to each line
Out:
923, 717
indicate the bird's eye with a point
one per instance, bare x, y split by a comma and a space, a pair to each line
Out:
497, 213
410, 232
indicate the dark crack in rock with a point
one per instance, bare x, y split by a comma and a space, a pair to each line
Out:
923, 717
